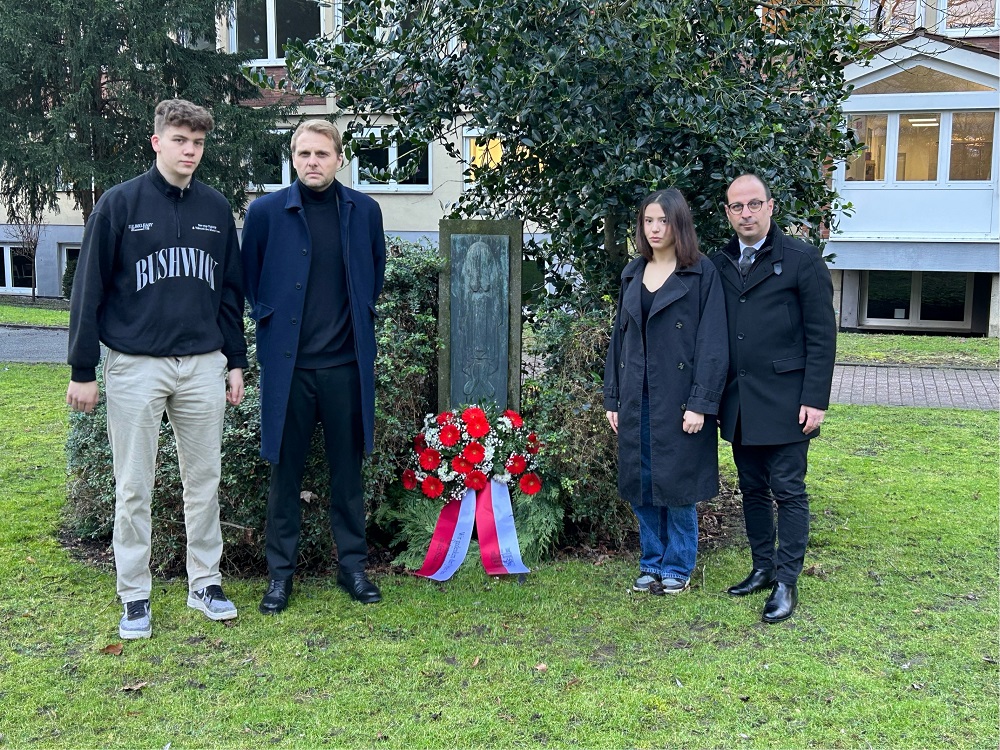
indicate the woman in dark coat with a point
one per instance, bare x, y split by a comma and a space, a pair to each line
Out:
663, 380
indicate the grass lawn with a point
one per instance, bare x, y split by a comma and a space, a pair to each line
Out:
894, 644
903, 349
27, 315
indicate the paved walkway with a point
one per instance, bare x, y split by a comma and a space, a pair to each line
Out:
871, 385
883, 385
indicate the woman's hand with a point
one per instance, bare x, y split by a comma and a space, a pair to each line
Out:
693, 422
612, 420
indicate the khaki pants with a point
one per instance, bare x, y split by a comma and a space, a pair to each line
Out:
192, 391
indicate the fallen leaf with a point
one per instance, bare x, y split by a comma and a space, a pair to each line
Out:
542, 667
574, 681
917, 686
816, 570
115, 649
989, 660
30, 559
744, 698
475, 662
601, 559
678, 682
308, 496
134, 688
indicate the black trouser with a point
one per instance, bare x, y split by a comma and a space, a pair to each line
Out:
332, 397
772, 474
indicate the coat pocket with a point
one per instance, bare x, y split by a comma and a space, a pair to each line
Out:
789, 364
260, 312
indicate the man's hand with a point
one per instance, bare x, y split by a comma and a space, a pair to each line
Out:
612, 420
234, 388
693, 422
82, 396
810, 418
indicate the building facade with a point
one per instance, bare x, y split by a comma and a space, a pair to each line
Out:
917, 251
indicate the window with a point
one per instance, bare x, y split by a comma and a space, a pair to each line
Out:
920, 80
869, 166
971, 145
935, 299
478, 153
263, 27
917, 154
277, 172
15, 270
906, 147
401, 166
904, 16
970, 14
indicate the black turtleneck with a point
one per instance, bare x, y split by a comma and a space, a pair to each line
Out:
327, 337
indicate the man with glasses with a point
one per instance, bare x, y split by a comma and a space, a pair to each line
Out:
782, 344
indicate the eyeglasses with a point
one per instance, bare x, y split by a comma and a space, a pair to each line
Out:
737, 208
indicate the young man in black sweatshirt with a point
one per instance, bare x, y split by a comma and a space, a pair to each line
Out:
159, 283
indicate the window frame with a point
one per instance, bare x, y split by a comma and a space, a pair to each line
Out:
392, 186
7, 259
944, 179
914, 320
932, 16
270, 10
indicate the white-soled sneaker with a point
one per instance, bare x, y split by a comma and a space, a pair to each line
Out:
644, 581
136, 621
213, 602
669, 586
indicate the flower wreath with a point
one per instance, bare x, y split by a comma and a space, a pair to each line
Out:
463, 449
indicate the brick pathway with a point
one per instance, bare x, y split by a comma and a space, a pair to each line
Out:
880, 385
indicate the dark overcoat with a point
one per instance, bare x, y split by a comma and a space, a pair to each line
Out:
277, 254
685, 366
782, 339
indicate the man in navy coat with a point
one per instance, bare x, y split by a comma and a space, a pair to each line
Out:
313, 266
782, 345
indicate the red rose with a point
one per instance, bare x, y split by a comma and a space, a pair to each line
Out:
530, 483
430, 459
477, 428
473, 414
474, 452
516, 464
460, 465
444, 417
533, 444
450, 435
476, 480
409, 479
432, 487
419, 442
515, 418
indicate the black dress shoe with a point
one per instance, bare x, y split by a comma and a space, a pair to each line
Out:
781, 603
359, 587
758, 580
276, 597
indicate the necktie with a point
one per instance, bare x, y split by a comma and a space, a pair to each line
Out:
746, 260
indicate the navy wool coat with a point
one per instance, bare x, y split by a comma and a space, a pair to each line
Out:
782, 339
685, 367
277, 253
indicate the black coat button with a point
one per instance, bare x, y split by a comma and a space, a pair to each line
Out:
294, 321
679, 324
304, 251
288, 355
739, 336
743, 373
680, 365
743, 299
298, 286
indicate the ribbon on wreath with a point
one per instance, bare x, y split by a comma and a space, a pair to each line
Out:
489, 511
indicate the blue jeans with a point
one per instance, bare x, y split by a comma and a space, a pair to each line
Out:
668, 535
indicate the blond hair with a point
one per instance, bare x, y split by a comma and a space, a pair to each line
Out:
323, 127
